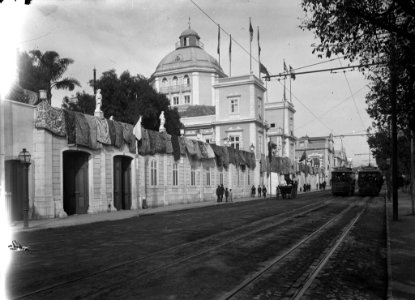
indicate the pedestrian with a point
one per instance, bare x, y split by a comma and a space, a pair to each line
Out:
253, 189
264, 191
222, 191
259, 190
226, 194
218, 193
230, 195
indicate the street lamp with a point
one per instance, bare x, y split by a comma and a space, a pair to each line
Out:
252, 147
182, 130
43, 95
24, 157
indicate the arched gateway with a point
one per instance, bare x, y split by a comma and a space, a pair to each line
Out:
75, 182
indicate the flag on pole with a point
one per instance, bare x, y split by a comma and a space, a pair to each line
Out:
230, 46
251, 31
259, 46
303, 157
230, 55
264, 70
285, 67
218, 39
137, 129
292, 73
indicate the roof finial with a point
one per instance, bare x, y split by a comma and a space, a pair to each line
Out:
189, 22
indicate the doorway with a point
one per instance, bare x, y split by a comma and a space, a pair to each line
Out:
15, 194
122, 182
75, 182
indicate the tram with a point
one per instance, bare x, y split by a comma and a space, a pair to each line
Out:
343, 181
369, 181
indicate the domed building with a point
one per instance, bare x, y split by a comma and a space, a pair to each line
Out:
186, 75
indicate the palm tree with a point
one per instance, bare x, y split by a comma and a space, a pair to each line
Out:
47, 70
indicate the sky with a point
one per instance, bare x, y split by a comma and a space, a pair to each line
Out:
135, 35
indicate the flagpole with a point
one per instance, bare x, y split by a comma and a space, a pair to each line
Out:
291, 100
250, 46
219, 43
259, 56
230, 55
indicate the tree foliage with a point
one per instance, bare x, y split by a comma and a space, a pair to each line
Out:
83, 103
44, 71
380, 33
126, 98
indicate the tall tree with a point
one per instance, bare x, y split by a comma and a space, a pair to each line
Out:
83, 103
127, 97
39, 70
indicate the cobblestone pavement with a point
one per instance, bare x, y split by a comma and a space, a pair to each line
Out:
357, 271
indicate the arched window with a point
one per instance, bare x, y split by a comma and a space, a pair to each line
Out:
186, 80
153, 167
175, 81
175, 174
164, 82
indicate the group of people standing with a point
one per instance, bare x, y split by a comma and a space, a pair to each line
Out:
261, 190
222, 191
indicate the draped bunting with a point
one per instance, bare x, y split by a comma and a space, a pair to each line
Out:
145, 142
202, 149
218, 154
197, 149
225, 157
232, 158
93, 132
153, 137
169, 146
103, 134
182, 143
82, 133
209, 151
112, 132
51, 119
119, 139
176, 147
70, 126
190, 147
129, 138
242, 160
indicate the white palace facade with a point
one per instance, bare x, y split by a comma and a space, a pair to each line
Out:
74, 170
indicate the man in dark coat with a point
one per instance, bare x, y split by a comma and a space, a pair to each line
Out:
259, 190
218, 193
222, 192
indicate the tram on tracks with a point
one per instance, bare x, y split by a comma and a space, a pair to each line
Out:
369, 181
343, 181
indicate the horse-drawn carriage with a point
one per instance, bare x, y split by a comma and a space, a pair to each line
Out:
287, 191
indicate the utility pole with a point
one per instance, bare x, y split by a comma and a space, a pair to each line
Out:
392, 97
412, 172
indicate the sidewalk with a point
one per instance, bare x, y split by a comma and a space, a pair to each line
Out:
73, 220
402, 249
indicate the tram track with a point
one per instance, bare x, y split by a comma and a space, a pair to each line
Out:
237, 233
184, 262
296, 283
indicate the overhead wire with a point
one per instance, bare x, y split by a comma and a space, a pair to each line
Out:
295, 97
351, 93
332, 108
309, 110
